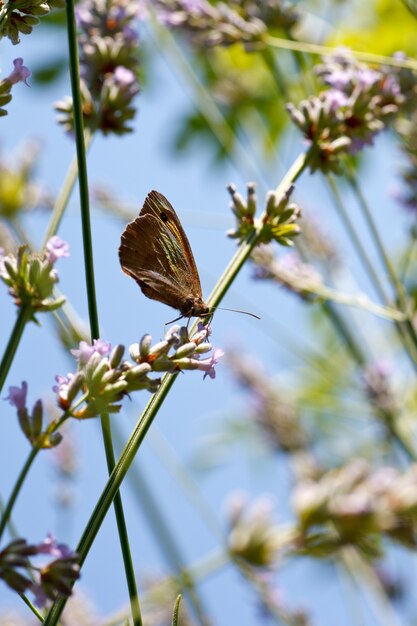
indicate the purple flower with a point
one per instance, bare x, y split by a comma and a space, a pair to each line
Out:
123, 76
207, 365
17, 396
335, 99
57, 248
63, 382
50, 546
86, 350
20, 73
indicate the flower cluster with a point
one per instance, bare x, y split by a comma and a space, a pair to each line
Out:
288, 271
31, 277
20, 16
253, 538
108, 65
359, 103
103, 378
20, 74
53, 580
355, 505
278, 222
271, 410
31, 423
224, 24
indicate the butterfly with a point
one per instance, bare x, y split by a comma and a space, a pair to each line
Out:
155, 251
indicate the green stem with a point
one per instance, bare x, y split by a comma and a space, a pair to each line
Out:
409, 346
82, 169
132, 446
33, 608
23, 316
16, 489
122, 528
361, 251
65, 193
399, 288
6, 512
166, 539
312, 48
91, 292
272, 65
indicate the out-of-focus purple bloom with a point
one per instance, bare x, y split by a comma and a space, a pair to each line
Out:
40, 597
17, 396
108, 65
20, 73
336, 99
85, 351
57, 248
50, 546
123, 76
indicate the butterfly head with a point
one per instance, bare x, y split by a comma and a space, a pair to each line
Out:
194, 306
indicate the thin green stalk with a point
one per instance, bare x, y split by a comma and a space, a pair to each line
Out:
344, 332
91, 292
16, 489
152, 408
63, 197
399, 288
364, 257
312, 48
33, 608
6, 512
23, 316
360, 249
121, 526
166, 540
82, 169
272, 65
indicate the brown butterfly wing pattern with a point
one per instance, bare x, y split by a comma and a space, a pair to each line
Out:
155, 252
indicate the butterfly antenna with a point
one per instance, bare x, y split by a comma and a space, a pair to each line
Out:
219, 308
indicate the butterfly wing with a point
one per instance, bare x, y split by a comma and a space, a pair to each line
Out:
157, 205
155, 252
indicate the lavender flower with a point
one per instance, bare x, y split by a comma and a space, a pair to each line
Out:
31, 423
360, 103
20, 73
253, 538
362, 504
288, 271
20, 17
17, 396
270, 408
278, 223
51, 581
86, 350
103, 378
108, 66
57, 248
220, 24
31, 277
